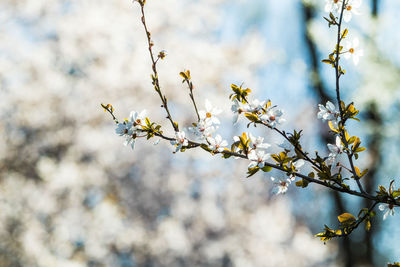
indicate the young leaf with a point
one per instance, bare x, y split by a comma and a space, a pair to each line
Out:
302, 183
346, 218
266, 168
251, 117
344, 33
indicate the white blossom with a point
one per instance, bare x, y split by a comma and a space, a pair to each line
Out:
327, 112
258, 142
351, 8
203, 129
258, 158
352, 51
124, 128
180, 140
298, 164
210, 113
255, 105
281, 185
273, 117
333, 6
388, 209
130, 140
238, 108
217, 143
137, 119
127, 130
335, 150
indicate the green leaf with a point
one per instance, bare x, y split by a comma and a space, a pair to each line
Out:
252, 171
148, 123
333, 128
360, 149
357, 171
327, 61
363, 173
396, 194
227, 156
251, 117
302, 183
367, 225
266, 168
344, 33
185, 75
351, 140
346, 218
382, 189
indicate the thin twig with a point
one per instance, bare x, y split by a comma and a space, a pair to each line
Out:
155, 74
341, 111
190, 85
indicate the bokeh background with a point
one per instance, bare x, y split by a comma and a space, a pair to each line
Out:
72, 195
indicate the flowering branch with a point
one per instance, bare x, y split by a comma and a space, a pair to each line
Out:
327, 171
339, 72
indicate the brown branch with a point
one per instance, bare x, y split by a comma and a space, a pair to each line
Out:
341, 111
364, 195
154, 68
190, 85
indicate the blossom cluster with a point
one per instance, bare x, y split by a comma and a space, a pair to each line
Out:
203, 130
130, 127
254, 148
208, 122
331, 114
269, 115
349, 8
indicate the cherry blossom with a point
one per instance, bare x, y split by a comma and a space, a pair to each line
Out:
124, 128
258, 158
255, 105
210, 113
333, 5
273, 117
258, 142
388, 209
238, 108
217, 143
180, 140
202, 129
351, 8
137, 118
335, 150
352, 51
327, 112
281, 185
298, 164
